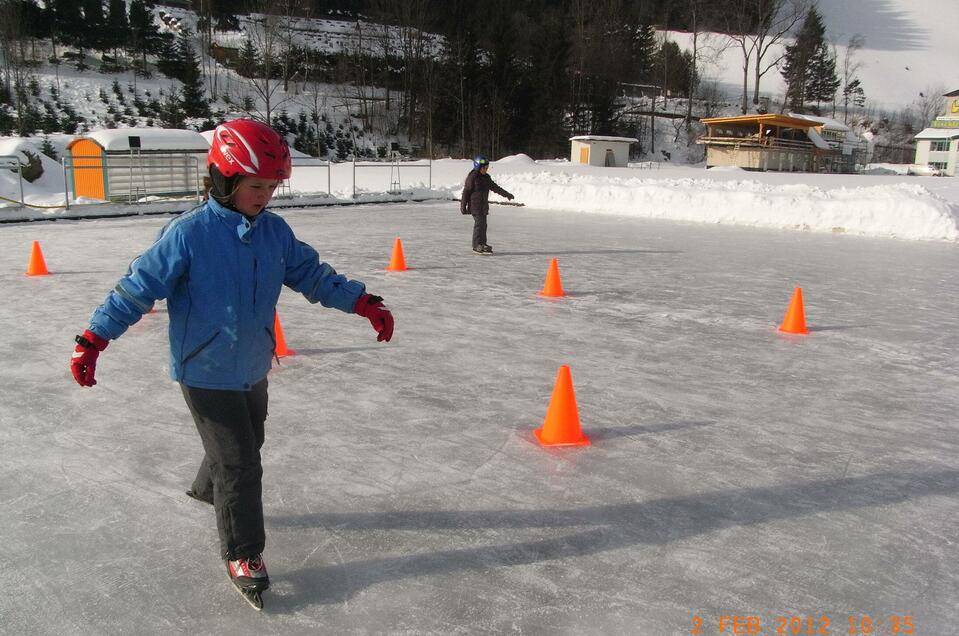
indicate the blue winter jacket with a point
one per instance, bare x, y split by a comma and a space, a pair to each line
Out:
221, 274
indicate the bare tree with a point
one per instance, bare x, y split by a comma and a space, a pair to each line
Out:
930, 104
411, 18
16, 71
266, 31
9, 41
291, 11
758, 27
850, 66
205, 34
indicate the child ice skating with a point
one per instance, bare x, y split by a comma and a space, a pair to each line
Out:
221, 267
475, 201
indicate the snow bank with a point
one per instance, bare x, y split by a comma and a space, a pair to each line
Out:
899, 210
37, 192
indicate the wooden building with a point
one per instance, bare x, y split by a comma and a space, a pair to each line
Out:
781, 143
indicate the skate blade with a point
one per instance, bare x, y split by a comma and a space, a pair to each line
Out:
254, 598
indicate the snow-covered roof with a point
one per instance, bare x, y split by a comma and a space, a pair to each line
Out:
817, 139
827, 122
118, 139
938, 133
629, 140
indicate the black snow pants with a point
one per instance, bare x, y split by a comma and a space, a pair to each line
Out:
479, 230
230, 424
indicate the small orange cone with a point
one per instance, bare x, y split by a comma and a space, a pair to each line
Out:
552, 287
281, 350
561, 426
397, 262
37, 266
795, 320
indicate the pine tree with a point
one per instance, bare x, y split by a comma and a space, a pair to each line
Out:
69, 26
854, 94
823, 81
171, 111
143, 36
249, 59
117, 26
94, 21
169, 61
797, 68
195, 103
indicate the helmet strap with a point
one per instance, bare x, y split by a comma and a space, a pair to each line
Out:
223, 188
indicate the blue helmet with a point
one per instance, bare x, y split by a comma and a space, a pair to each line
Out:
479, 161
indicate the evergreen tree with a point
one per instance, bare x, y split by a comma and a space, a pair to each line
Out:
68, 26
249, 59
798, 70
143, 36
171, 113
117, 26
642, 53
195, 103
94, 22
823, 81
169, 61
854, 94
224, 15
49, 149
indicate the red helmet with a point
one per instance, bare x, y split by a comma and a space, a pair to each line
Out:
249, 148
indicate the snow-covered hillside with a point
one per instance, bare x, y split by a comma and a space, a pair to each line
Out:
909, 49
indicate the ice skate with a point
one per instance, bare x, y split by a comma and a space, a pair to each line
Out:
488, 249
193, 495
250, 579
483, 249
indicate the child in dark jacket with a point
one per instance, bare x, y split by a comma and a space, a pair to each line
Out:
221, 268
475, 201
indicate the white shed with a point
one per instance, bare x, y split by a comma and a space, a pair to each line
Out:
130, 163
598, 150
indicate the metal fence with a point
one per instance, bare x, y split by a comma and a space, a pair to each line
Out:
12, 162
395, 167
145, 177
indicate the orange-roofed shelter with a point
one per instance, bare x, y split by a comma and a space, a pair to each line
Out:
767, 142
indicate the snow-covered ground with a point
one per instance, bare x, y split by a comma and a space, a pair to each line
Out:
888, 205
733, 471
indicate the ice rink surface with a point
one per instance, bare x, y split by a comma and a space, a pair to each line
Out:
734, 471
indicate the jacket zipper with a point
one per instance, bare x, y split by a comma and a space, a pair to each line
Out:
254, 280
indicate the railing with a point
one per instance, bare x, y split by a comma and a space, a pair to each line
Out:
756, 142
11, 162
395, 166
135, 177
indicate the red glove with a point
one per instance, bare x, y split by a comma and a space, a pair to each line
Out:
84, 362
371, 307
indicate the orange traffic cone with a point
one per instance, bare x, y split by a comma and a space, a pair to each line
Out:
397, 262
281, 350
552, 286
795, 320
37, 266
561, 426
